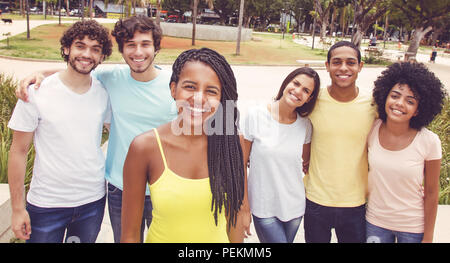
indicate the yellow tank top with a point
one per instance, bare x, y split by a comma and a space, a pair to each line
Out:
182, 210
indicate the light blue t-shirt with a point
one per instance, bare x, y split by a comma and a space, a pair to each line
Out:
136, 108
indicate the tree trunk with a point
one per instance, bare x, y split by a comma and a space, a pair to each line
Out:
90, 7
158, 12
419, 33
333, 18
241, 15
194, 21
358, 36
323, 30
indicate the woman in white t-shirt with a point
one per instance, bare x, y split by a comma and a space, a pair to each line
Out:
278, 137
404, 156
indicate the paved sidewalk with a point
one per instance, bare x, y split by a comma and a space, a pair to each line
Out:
441, 232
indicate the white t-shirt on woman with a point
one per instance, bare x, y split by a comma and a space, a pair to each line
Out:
275, 181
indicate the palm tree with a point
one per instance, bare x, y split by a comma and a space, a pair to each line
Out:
194, 16
241, 14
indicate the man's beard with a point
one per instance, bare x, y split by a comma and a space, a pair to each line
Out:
72, 63
145, 69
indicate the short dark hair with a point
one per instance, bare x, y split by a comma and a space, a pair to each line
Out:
125, 29
308, 107
422, 82
91, 29
344, 44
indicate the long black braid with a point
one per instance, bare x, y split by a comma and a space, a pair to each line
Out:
225, 163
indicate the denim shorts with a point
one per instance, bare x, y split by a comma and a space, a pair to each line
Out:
376, 234
80, 224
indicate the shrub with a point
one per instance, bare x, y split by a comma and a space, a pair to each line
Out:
441, 126
7, 102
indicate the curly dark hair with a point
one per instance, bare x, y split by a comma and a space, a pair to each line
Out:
124, 30
422, 82
90, 28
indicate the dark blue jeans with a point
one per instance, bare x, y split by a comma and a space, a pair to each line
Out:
349, 223
82, 223
115, 212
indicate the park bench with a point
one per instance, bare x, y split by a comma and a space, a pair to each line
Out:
7, 20
373, 52
309, 62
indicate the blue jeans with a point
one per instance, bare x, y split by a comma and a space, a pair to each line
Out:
376, 234
115, 212
349, 223
82, 223
273, 230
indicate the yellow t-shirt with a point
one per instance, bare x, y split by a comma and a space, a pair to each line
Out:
338, 167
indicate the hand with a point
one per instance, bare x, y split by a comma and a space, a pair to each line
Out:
22, 89
246, 221
20, 224
305, 165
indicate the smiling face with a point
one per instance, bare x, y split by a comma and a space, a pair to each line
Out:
197, 93
84, 55
139, 52
401, 104
298, 91
344, 67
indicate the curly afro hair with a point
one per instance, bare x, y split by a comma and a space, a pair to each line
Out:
124, 30
422, 82
90, 28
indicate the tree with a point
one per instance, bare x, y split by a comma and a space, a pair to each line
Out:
194, 16
322, 10
266, 10
241, 16
366, 13
225, 9
301, 9
177, 6
423, 15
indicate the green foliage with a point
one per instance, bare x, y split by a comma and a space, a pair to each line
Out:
7, 102
441, 126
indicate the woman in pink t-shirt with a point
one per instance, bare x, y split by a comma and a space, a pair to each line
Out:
404, 156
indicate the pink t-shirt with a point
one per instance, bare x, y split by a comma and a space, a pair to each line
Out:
396, 181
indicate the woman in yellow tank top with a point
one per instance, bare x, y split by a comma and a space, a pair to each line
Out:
194, 165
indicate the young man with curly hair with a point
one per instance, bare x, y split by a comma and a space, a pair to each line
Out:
404, 156
140, 101
64, 119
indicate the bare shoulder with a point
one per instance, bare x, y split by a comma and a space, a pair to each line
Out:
144, 143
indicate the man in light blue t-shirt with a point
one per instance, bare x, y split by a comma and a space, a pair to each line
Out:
140, 100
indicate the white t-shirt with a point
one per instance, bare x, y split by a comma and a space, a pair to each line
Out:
275, 181
69, 166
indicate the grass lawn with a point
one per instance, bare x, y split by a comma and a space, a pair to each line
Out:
263, 49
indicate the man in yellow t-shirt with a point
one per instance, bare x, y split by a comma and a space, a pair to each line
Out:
336, 182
